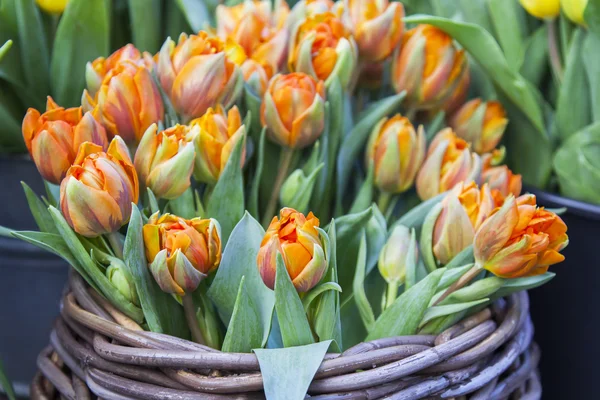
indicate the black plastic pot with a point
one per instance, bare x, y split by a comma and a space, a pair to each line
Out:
565, 311
31, 280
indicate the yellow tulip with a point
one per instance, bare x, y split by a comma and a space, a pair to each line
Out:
574, 10
52, 6
542, 8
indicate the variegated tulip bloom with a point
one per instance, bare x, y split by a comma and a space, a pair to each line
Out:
180, 252
165, 160
258, 28
459, 95
96, 70
257, 76
128, 101
449, 161
520, 239
502, 182
377, 26
295, 237
480, 123
199, 72
323, 48
395, 255
293, 110
218, 133
397, 152
463, 211
96, 194
428, 67
53, 138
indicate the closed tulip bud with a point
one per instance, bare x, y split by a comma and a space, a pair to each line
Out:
296, 238
180, 252
459, 95
520, 239
218, 133
199, 64
291, 186
53, 138
96, 194
542, 9
119, 276
574, 10
324, 49
463, 210
429, 67
377, 26
96, 70
481, 124
52, 6
128, 101
399, 251
258, 29
397, 152
293, 110
502, 183
256, 76
449, 161
164, 160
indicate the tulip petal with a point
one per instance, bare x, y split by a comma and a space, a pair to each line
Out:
428, 179
309, 125
312, 272
145, 153
296, 257
166, 72
495, 231
184, 273
162, 275
267, 261
513, 261
270, 117
453, 230
171, 178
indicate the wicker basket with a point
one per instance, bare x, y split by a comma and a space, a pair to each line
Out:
95, 350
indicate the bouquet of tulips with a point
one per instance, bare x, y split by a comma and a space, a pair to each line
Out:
239, 187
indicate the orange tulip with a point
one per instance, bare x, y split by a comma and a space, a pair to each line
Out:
218, 133
295, 237
96, 194
200, 64
258, 29
293, 110
164, 160
463, 211
520, 239
502, 182
53, 138
128, 101
377, 26
324, 49
397, 152
449, 161
180, 252
480, 123
257, 76
459, 95
96, 70
428, 67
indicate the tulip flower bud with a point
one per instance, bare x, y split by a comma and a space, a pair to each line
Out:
520, 239
96, 70
574, 10
128, 101
96, 194
256, 76
218, 134
449, 161
53, 138
459, 95
397, 152
463, 210
52, 6
394, 256
542, 9
291, 186
502, 182
428, 67
119, 276
295, 237
199, 64
293, 110
481, 124
377, 26
324, 49
180, 252
165, 161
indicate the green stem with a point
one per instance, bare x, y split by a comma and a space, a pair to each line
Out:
391, 294
554, 53
285, 161
460, 283
410, 114
114, 238
383, 202
189, 310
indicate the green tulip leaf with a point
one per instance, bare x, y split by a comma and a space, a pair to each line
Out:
360, 297
184, 205
591, 62
162, 313
477, 290
287, 373
312, 295
445, 310
196, 13
518, 284
5, 383
300, 187
505, 19
591, 15
364, 198
426, 244
34, 46
452, 275
416, 216
4, 48
145, 24
39, 211
229, 191
462, 258
255, 189
239, 259
534, 60
244, 332
253, 103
